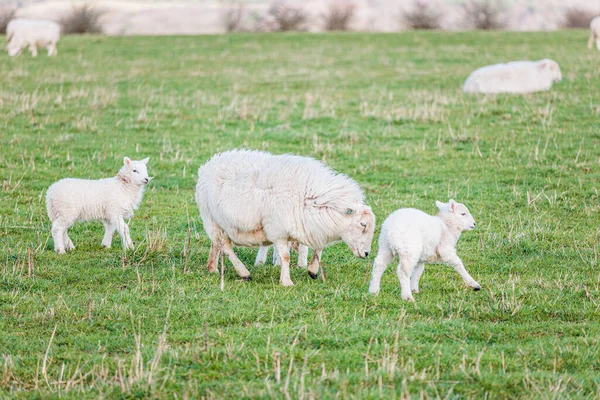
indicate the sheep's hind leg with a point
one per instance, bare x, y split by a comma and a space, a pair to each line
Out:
109, 230
124, 232
58, 234
263, 254
33, 50
283, 251
237, 264
213, 257
416, 276
315, 263
382, 260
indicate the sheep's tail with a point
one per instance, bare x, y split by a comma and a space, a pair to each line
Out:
50, 208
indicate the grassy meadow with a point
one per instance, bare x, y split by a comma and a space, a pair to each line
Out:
387, 110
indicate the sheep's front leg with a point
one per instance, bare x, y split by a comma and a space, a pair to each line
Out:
109, 230
380, 264
416, 275
455, 261
261, 257
68, 242
33, 50
303, 256
315, 263
284, 255
124, 232
237, 264
52, 49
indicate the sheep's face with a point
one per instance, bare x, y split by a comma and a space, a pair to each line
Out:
456, 214
359, 229
135, 172
14, 48
552, 68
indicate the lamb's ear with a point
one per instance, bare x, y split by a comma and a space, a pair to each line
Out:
544, 64
441, 206
127, 161
451, 205
145, 160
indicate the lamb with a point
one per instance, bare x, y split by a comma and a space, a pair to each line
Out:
263, 253
416, 238
514, 77
594, 33
253, 198
22, 33
111, 200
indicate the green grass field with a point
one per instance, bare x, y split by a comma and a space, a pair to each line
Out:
386, 110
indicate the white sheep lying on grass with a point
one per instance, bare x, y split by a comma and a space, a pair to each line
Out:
263, 253
416, 238
594, 33
253, 198
22, 33
111, 200
514, 77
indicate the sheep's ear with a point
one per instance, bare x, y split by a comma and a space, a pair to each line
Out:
451, 205
441, 206
145, 160
127, 161
543, 64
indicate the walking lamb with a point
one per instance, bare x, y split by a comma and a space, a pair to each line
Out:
416, 238
111, 200
253, 198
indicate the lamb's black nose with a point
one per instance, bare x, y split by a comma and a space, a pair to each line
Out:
366, 254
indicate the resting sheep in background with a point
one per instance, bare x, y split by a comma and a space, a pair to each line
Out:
514, 77
594, 33
111, 200
416, 238
253, 198
22, 33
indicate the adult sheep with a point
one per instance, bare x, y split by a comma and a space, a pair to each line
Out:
253, 198
22, 33
514, 77
594, 33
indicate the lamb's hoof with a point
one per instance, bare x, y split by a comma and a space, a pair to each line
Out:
410, 299
313, 275
415, 290
60, 251
106, 246
288, 283
477, 288
247, 278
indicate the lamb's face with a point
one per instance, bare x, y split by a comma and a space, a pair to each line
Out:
135, 171
552, 68
457, 214
14, 47
359, 229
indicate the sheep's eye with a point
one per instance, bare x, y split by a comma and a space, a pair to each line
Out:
135, 170
363, 224
464, 214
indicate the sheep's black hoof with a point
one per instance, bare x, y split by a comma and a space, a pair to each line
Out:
477, 289
314, 276
247, 278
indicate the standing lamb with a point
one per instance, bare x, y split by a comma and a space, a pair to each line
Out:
594, 33
111, 200
514, 77
416, 238
263, 253
253, 198
22, 33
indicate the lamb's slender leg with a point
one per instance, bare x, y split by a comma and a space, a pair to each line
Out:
261, 257
33, 50
109, 230
384, 256
303, 256
284, 255
591, 41
459, 267
315, 263
58, 234
68, 242
405, 270
51, 49
213, 257
124, 232
237, 264
276, 258
414, 279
